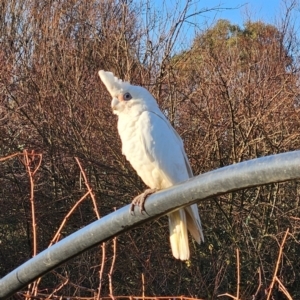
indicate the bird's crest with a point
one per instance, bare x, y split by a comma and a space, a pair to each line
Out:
113, 84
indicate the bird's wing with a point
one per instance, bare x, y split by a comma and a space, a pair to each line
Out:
164, 146
168, 150
187, 163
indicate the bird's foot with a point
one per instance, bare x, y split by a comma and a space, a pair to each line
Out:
140, 200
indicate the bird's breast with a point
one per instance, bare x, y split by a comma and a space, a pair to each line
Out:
134, 150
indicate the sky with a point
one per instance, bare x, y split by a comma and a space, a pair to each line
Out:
256, 10
235, 11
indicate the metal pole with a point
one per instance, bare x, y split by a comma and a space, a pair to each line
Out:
264, 170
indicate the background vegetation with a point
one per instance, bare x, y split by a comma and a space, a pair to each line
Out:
232, 94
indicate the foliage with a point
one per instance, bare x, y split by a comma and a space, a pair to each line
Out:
233, 95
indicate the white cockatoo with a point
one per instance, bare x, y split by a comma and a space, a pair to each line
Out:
156, 152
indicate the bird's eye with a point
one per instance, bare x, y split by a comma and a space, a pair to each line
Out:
127, 96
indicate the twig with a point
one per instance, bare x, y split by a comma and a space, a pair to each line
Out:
101, 269
228, 295
237, 297
143, 286
283, 289
89, 188
277, 265
103, 245
57, 234
77, 286
122, 297
260, 283
238, 274
112, 267
28, 161
59, 287
10, 156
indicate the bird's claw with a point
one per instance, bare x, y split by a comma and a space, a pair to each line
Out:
140, 200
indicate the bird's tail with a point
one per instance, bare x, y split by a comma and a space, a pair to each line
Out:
180, 222
178, 235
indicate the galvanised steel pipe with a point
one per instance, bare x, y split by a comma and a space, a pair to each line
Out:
260, 171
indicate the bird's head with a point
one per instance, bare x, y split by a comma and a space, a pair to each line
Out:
126, 97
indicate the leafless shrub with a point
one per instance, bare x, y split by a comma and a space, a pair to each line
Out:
233, 95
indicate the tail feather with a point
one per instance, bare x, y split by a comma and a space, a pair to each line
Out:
194, 223
180, 222
178, 235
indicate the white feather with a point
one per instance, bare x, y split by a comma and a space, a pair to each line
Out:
156, 152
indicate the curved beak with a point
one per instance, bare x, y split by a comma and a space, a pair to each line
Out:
114, 103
